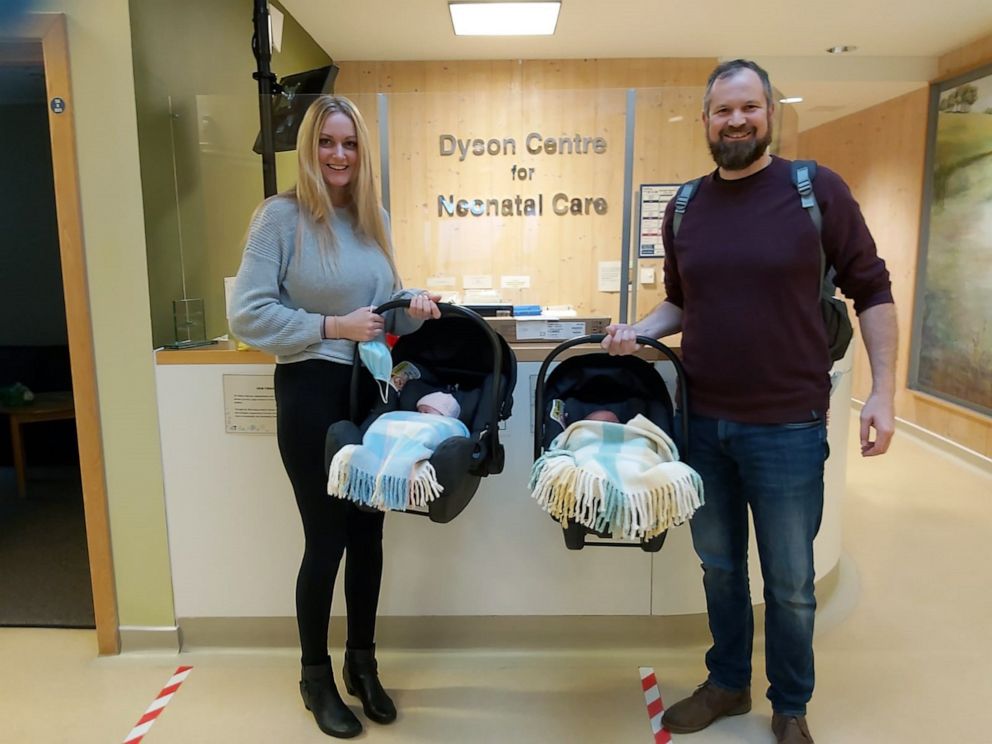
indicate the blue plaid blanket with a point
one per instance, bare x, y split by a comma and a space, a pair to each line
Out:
389, 470
623, 477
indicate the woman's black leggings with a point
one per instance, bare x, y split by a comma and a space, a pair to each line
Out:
311, 395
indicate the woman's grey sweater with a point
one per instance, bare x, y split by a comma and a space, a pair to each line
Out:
285, 287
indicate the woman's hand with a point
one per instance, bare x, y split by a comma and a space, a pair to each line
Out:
424, 306
360, 325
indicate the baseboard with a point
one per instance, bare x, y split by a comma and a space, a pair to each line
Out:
945, 445
497, 633
453, 633
138, 638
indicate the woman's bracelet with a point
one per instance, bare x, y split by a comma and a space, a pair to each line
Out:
335, 333
324, 335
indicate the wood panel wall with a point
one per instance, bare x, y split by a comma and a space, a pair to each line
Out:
510, 99
880, 152
968, 57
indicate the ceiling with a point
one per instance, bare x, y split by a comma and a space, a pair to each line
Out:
898, 42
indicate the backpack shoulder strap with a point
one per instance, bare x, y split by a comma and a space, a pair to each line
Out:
803, 173
682, 197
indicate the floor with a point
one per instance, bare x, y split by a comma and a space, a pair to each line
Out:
45, 576
904, 654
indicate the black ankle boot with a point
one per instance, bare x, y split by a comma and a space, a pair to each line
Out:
321, 697
361, 678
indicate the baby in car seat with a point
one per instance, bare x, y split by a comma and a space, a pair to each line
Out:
391, 468
439, 404
626, 480
603, 414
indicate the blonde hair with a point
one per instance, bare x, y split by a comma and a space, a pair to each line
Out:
312, 193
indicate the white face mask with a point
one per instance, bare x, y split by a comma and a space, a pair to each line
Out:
378, 360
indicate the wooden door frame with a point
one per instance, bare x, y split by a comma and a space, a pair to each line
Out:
50, 30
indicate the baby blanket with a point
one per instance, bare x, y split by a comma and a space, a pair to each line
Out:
624, 477
389, 469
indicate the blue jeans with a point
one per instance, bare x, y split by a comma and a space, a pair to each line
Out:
777, 470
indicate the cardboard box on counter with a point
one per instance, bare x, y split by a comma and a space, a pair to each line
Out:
545, 330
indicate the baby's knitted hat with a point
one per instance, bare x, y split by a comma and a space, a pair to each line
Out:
445, 403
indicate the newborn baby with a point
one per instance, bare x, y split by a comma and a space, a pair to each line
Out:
439, 404
603, 414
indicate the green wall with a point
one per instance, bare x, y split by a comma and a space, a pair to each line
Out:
200, 179
102, 101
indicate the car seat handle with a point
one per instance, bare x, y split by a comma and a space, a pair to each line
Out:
448, 309
597, 338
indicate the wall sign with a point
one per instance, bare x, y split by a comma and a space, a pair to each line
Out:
654, 200
519, 205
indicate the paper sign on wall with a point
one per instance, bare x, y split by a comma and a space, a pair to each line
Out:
441, 282
609, 276
477, 281
654, 200
515, 282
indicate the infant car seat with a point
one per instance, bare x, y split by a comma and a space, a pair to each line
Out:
458, 353
625, 385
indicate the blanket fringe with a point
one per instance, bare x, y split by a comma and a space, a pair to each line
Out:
386, 493
567, 492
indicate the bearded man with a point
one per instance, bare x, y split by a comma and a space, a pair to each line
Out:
742, 279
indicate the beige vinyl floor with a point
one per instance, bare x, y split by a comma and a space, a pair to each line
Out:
903, 651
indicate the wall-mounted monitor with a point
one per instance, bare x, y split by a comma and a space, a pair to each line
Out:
291, 103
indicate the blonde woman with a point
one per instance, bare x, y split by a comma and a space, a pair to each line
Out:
317, 259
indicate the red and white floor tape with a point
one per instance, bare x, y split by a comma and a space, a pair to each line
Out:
655, 705
155, 709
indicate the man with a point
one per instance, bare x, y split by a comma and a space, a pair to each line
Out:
742, 282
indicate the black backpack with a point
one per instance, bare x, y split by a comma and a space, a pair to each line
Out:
835, 317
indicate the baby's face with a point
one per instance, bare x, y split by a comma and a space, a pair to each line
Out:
422, 408
603, 415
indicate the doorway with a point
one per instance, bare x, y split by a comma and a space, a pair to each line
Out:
46, 33
45, 580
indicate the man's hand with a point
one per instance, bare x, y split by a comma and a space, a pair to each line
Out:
663, 320
878, 414
881, 337
620, 340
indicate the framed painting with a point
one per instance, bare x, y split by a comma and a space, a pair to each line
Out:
951, 347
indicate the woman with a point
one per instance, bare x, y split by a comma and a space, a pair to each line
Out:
318, 259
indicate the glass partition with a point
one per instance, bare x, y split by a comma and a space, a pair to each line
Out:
514, 198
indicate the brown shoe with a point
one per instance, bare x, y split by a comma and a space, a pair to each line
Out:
791, 729
707, 704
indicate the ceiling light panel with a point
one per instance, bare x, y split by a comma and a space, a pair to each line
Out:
504, 19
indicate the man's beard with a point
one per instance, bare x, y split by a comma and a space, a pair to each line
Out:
737, 155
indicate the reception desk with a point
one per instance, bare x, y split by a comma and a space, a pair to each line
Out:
235, 537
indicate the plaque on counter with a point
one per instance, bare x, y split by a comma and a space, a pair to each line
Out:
249, 404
